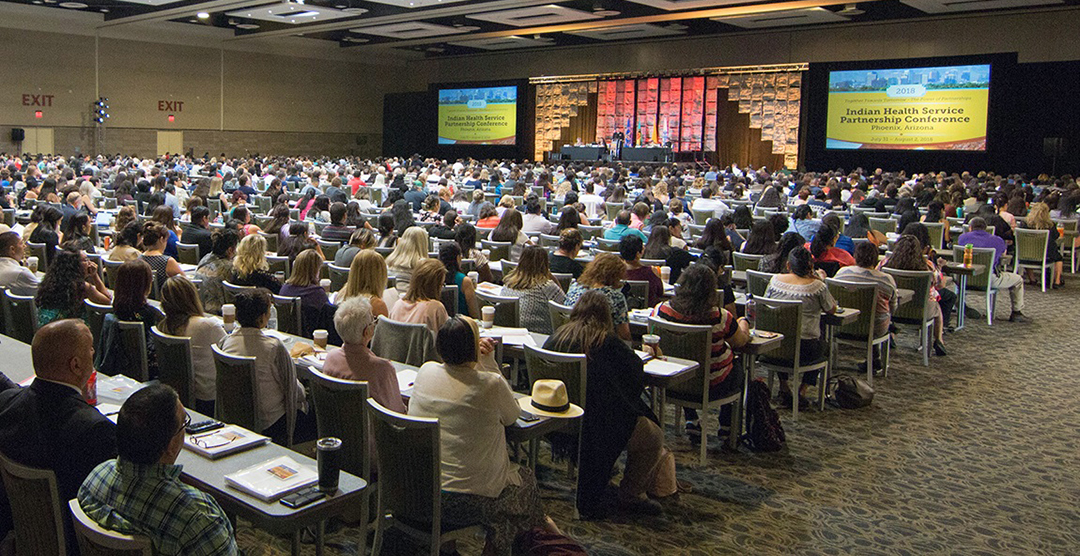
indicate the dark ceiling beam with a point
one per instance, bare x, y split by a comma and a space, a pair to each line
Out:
185, 11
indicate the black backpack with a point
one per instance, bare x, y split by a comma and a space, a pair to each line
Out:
763, 430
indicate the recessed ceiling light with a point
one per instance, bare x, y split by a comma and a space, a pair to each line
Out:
247, 26
73, 5
39, 2
353, 10
203, 15
193, 21
104, 10
606, 13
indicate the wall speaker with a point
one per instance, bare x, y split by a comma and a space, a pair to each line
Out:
18, 134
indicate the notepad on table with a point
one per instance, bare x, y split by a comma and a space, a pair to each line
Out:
110, 410
510, 336
406, 378
663, 368
272, 479
224, 441
488, 287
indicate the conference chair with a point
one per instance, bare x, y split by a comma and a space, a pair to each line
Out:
20, 314
271, 242
863, 297
982, 283
500, 250
336, 402
701, 217
589, 233
506, 308
1031, 246
329, 248
403, 342
508, 267
571, 369
262, 221
638, 297
609, 245
449, 299
213, 204
549, 240
611, 210
937, 234
289, 314
95, 317
238, 393
410, 480
188, 253
34, 501
883, 225
95, 540
132, 338
110, 202
785, 317
920, 310
559, 314
744, 261
757, 282
176, 366
564, 280
279, 264
9, 217
1068, 245
339, 276
111, 268
263, 203
232, 289
39, 250
694, 342
384, 251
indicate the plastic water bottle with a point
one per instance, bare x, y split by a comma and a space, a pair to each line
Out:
751, 314
272, 324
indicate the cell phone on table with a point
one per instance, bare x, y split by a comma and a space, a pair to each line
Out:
302, 498
204, 426
528, 417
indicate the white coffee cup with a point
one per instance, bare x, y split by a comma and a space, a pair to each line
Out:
32, 263
486, 252
320, 337
475, 277
665, 274
325, 283
651, 340
228, 316
487, 315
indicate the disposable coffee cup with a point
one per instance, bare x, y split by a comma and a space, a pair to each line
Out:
228, 313
329, 455
32, 263
320, 338
325, 283
280, 276
665, 274
475, 277
487, 316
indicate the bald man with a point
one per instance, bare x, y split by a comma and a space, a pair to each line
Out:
48, 424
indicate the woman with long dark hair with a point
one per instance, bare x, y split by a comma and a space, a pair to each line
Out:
77, 233
133, 282
70, 279
776, 262
761, 240
450, 256
909, 254
466, 240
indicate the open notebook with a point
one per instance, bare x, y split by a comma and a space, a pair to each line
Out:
272, 479
224, 441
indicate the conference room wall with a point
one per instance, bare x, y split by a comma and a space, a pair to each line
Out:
1036, 37
271, 104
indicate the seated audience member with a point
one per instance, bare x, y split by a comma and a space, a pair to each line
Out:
422, 303
466, 240
155, 238
639, 213
569, 217
842, 241
800, 283
446, 228
164, 215
533, 220
488, 217
243, 215
622, 228
47, 231
618, 419
802, 221
430, 209
776, 262
826, 253
1038, 218
215, 268
71, 278
715, 235
48, 424
140, 492
299, 240
630, 249
946, 296
354, 360
660, 247
367, 279
77, 233
184, 317
13, 275
509, 231
359, 240
762, 239
562, 260
696, 302
304, 281
531, 282
280, 220
337, 230
865, 270
450, 257
198, 232
133, 282
126, 243
978, 237
908, 254
474, 405
250, 267
605, 273
409, 251
280, 394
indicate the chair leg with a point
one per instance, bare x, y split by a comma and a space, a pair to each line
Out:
886, 351
926, 343
703, 446
380, 524
795, 383
1044, 279
990, 298
870, 360
364, 511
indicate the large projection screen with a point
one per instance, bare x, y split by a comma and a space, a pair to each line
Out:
926, 108
478, 116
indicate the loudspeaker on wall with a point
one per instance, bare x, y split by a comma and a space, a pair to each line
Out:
18, 134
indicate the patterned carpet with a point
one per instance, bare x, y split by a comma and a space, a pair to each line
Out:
976, 454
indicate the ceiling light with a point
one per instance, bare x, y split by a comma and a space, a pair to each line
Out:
203, 15
104, 10
606, 13
39, 2
73, 5
247, 25
851, 10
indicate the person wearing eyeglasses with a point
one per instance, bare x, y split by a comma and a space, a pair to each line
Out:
354, 360
140, 492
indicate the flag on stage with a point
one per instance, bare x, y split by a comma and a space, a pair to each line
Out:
654, 139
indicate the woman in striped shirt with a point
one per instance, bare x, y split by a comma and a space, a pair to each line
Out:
696, 302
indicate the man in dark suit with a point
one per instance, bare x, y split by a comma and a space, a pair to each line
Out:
49, 425
198, 230
72, 206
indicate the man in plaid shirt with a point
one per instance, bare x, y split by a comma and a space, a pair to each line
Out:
140, 493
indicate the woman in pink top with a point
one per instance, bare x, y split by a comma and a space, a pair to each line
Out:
355, 324
422, 304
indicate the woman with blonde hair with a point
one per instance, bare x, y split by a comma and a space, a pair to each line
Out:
125, 216
184, 317
304, 280
1038, 218
367, 278
605, 273
506, 203
250, 267
534, 285
409, 251
422, 303
216, 192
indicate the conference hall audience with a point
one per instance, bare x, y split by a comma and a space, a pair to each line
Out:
865, 271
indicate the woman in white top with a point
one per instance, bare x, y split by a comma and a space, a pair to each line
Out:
474, 404
184, 317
